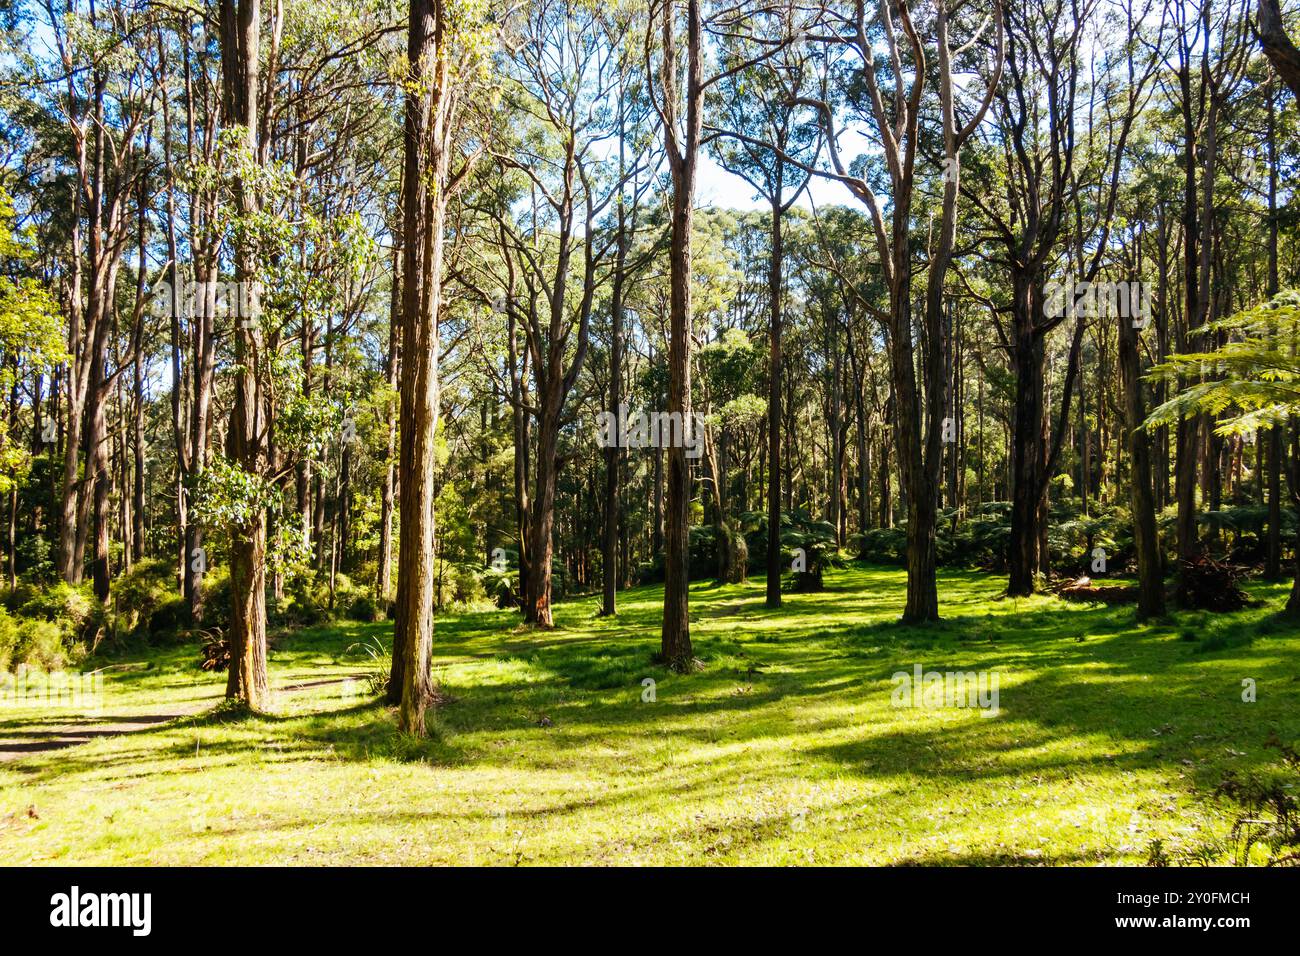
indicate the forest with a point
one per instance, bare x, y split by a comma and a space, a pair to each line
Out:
513, 389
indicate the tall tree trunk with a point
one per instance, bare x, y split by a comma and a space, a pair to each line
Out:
428, 133
1188, 431
392, 363
1029, 444
614, 454
1151, 584
675, 639
247, 680
1276, 439
774, 290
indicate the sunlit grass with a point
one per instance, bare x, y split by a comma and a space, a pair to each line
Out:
785, 748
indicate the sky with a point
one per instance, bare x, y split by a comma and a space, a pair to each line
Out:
723, 190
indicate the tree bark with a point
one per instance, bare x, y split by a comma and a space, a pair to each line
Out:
247, 681
1279, 49
614, 454
675, 639
428, 142
774, 289
1151, 584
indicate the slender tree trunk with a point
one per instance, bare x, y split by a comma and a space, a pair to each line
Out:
1151, 584
774, 290
1276, 439
614, 454
391, 365
675, 641
1188, 431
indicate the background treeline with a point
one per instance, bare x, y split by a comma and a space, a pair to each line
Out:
280, 275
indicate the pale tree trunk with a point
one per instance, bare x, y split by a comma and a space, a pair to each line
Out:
392, 363
917, 429
774, 287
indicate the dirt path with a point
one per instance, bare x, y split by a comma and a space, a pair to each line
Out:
61, 733
45, 739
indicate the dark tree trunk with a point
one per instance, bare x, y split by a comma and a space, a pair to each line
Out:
1187, 437
675, 639
1151, 584
1029, 442
1282, 53
1276, 440
614, 454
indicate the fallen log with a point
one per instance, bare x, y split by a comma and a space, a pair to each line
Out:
1084, 590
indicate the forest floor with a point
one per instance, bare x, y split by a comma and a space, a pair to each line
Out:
786, 748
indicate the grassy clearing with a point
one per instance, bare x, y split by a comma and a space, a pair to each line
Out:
785, 749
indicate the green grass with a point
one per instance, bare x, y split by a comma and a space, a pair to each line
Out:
784, 749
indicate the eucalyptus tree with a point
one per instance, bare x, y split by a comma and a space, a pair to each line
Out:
1051, 170
678, 89
1208, 55
850, 33
548, 217
636, 179
446, 64
96, 88
752, 131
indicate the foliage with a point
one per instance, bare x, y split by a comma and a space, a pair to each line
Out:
35, 643
31, 330
227, 496
1250, 382
380, 661
1270, 820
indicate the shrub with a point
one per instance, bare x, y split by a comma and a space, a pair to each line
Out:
216, 598
140, 593
364, 608
1270, 820
882, 545
72, 607
36, 643
299, 605
380, 663
8, 640
43, 644
501, 586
